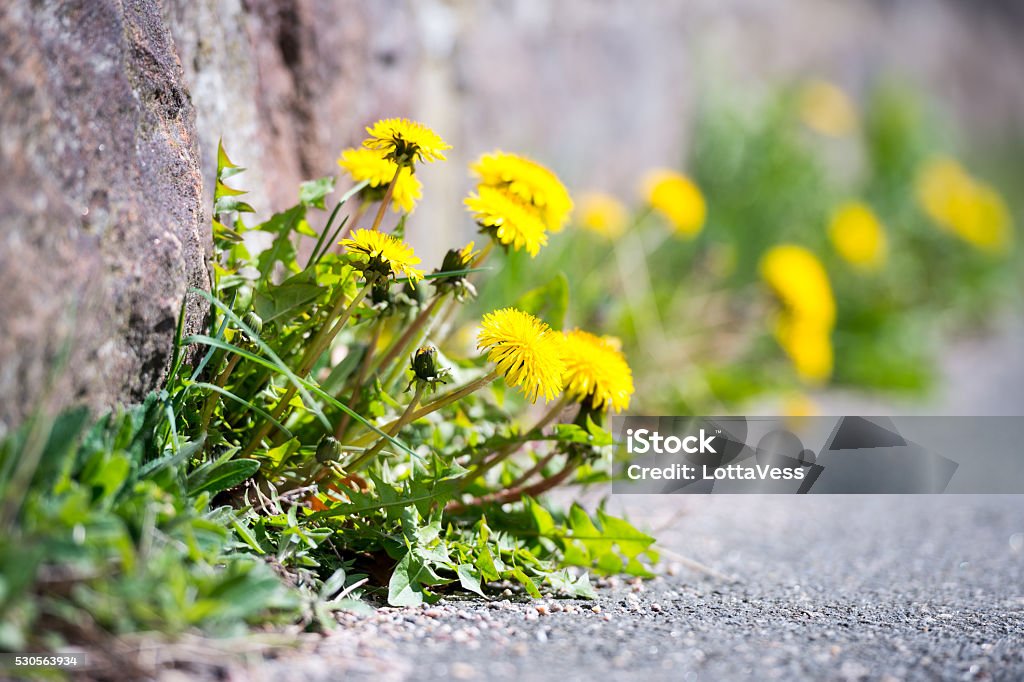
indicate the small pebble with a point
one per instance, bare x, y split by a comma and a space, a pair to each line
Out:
463, 671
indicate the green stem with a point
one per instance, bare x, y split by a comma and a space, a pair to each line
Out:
213, 398
322, 339
443, 401
386, 200
399, 425
508, 450
364, 366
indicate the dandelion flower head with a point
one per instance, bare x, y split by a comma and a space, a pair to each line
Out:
677, 199
595, 369
808, 345
826, 109
528, 181
372, 167
512, 221
527, 352
966, 207
385, 249
858, 236
799, 280
404, 141
603, 214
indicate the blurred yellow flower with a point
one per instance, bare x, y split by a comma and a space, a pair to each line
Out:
799, 280
826, 109
528, 181
858, 236
384, 249
603, 214
527, 352
404, 141
968, 208
808, 345
510, 220
676, 198
596, 370
370, 166
804, 326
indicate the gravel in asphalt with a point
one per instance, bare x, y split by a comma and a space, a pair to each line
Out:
843, 588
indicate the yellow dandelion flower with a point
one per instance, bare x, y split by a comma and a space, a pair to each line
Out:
404, 141
826, 109
958, 203
603, 214
527, 352
808, 345
370, 166
528, 181
858, 236
941, 183
677, 199
596, 370
799, 280
987, 224
511, 221
384, 249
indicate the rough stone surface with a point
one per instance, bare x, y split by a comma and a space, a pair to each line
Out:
288, 83
101, 201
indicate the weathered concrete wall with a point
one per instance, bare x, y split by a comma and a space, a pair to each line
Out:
102, 222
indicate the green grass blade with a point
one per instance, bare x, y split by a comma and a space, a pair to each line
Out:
306, 385
279, 364
242, 401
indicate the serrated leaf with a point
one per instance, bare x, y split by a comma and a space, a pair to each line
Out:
275, 302
231, 205
228, 475
630, 541
312, 192
404, 588
485, 563
469, 578
542, 518
526, 582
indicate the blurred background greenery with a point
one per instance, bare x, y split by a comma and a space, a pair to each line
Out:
807, 240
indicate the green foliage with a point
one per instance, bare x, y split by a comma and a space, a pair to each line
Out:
272, 480
107, 536
698, 306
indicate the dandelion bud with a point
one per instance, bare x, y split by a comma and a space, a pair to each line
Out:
424, 368
328, 449
253, 322
456, 261
423, 363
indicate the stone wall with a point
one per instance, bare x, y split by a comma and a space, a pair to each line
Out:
101, 203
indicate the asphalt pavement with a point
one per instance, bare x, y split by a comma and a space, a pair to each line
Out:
834, 588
